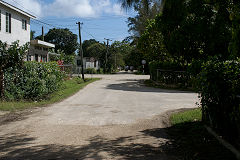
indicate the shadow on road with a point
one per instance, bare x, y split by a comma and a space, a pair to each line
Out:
186, 141
138, 86
17, 147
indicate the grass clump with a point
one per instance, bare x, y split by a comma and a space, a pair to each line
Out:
187, 116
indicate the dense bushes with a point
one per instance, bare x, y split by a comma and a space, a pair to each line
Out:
33, 81
219, 85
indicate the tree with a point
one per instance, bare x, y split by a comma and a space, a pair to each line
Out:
96, 50
32, 35
63, 39
86, 44
119, 52
235, 18
195, 29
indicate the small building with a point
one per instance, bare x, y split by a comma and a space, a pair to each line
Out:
87, 63
14, 24
39, 51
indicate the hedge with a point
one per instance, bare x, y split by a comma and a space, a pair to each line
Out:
33, 81
219, 88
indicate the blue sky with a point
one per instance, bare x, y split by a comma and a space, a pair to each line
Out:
101, 18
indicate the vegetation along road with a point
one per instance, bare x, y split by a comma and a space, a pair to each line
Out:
113, 118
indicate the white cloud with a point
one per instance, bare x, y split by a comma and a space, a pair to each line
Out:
31, 6
68, 8
117, 9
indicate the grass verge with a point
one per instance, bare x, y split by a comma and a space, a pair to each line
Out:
191, 141
68, 88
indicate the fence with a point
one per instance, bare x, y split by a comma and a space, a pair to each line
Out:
67, 69
171, 77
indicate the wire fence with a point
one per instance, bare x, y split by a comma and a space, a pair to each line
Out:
171, 77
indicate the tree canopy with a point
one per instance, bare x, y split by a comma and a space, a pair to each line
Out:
63, 39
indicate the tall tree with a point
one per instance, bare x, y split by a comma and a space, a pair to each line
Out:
63, 39
86, 44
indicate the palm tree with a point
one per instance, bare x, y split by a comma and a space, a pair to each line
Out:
126, 4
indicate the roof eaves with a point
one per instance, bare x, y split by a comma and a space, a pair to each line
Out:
17, 9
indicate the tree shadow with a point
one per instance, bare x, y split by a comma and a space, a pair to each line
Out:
186, 141
17, 147
138, 86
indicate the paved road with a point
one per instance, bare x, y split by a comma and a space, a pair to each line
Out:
105, 120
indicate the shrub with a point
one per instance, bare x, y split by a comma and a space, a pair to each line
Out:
219, 87
100, 71
33, 81
90, 71
78, 80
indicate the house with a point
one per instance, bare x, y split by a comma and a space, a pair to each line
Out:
87, 63
39, 51
14, 24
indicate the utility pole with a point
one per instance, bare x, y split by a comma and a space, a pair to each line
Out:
80, 49
105, 67
42, 33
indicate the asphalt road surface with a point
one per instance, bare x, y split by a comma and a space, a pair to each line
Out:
114, 118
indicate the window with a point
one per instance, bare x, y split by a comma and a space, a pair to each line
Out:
24, 24
8, 22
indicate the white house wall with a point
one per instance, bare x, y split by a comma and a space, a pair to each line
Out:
17, 33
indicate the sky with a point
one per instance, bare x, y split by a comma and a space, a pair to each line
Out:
101, 18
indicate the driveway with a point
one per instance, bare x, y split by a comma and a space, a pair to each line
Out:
114, 118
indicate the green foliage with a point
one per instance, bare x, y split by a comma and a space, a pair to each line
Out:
63, 39
100, 71
90, 71
33, 81
86, 44
219, 86
151, 43
78, 80
187, 30
12, 56
186, 116
235, 17
68, 88
96, 50
60, 55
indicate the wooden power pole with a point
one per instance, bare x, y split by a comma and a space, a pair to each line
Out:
105, 67
80, 49
42, 33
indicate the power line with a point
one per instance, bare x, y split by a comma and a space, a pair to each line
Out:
25, 8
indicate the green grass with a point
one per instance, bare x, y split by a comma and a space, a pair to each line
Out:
187, 116
191, 141
68, 88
